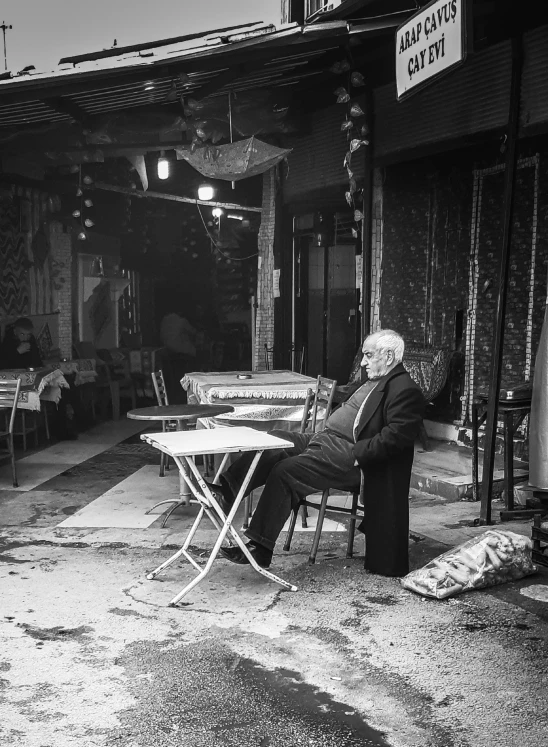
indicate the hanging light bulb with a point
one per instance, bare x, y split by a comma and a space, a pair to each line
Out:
217, 212
205, 192
76, 213
88, 223
163, 166
82, 236
88, 203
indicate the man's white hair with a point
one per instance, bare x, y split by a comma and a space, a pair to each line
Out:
387, 339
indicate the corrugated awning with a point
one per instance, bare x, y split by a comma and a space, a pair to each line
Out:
254, 57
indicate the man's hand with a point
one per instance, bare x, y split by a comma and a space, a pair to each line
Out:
23, 347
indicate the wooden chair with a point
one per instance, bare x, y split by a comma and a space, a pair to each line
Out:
268, 357
9, 395
27, 422
323, 506
120, 381
316, 410
104, 386
160, 390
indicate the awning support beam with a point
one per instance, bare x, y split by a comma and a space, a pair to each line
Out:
173, 198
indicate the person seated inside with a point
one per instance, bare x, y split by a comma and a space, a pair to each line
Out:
372, 432
19, 347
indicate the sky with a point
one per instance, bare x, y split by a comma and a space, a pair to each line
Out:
46, 30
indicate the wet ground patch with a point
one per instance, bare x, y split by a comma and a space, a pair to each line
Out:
205, 694
57, 633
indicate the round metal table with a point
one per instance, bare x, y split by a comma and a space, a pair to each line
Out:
183, 415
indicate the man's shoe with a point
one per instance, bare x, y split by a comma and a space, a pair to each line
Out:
220, 498
261, 555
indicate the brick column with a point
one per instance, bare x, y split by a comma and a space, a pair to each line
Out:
377, 228
264, 319
61, 254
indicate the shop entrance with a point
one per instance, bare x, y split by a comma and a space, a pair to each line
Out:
325, 303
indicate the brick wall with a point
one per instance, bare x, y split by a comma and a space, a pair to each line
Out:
62, 279
264, 319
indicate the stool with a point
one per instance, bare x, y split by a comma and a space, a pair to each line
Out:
507, 410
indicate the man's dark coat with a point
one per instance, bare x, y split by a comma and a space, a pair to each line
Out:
384, 450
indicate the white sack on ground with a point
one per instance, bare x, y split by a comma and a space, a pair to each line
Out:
492, 558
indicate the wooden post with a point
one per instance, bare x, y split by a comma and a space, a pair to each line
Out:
498, 337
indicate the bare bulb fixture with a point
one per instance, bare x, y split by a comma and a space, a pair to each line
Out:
205, 192
163, 166
217, 212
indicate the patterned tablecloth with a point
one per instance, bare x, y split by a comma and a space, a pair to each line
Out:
41, 384
83, 368
266, 387
269, 400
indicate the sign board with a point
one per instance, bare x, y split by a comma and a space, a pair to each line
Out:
429, 44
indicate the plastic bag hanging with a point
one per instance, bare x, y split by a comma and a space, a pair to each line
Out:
342, 95
356, 143
343, 66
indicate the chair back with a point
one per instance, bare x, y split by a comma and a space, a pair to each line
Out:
268, 357
318, 403
9, 396
160, 387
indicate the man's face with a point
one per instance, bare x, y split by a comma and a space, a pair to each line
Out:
376, 362
23, 335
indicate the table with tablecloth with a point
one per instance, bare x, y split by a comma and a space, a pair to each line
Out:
268, 400
40, 384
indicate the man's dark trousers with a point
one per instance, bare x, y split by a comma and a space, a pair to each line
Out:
314, 463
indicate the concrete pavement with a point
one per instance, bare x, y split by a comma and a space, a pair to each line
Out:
92, 655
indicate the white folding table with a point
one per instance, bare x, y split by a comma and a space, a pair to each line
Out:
182, 446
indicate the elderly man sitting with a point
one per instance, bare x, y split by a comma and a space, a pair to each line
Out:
374, 430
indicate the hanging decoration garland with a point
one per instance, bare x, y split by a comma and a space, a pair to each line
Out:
356, 130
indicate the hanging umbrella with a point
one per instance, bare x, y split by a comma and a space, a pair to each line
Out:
234, 161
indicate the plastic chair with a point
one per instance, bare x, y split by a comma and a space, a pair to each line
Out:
324, 393
9, 395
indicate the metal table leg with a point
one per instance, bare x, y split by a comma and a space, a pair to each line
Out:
211, 508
